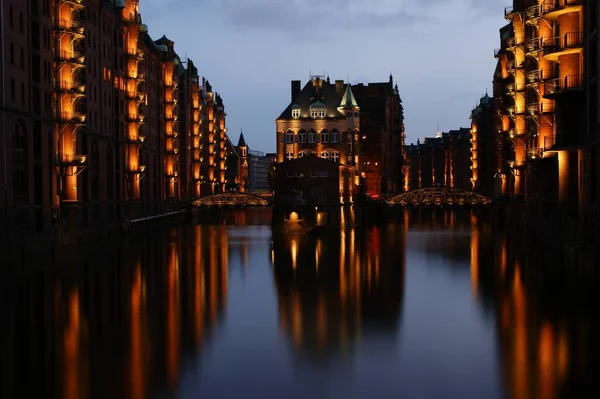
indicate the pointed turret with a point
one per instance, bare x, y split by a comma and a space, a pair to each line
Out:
241, 141
348, 100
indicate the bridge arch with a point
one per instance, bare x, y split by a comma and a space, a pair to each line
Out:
438, 196
231, 200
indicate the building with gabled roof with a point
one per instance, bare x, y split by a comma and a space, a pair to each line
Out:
322, 120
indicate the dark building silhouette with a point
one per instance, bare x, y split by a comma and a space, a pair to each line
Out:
382, 128
442, 161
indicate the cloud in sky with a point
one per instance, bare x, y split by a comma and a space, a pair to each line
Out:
440, 52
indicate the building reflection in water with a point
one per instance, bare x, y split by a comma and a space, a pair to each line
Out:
337, 290
545, 335
121, 320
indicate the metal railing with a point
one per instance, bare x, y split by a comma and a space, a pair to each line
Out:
555, 86
535, 153
69, 86
561, 43
70, 25
69, 56
69, 117
556, 5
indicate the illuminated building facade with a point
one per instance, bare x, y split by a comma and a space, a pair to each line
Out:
102, 122
213, 141
444, 160
483, 149
321, 124
541, 101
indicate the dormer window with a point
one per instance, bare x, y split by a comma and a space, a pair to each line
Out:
295, 113
317, 113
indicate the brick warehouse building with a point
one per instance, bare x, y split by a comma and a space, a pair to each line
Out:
359, 127
101, 123
322, 125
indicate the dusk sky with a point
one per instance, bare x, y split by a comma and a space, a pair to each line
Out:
440, 53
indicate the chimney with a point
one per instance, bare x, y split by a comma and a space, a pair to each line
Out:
295, 89
339, 87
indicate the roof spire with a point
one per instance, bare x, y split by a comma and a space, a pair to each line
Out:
241, 141
437, 133
348, 100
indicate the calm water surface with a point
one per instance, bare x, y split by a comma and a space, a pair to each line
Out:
431, 305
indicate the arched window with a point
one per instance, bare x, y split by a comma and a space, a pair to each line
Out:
289, 155
302, 136
301, 154
289, 137
312, 136
325, 155
21, 24
325, 137
335, 136
10, 17
335, 157
11, 51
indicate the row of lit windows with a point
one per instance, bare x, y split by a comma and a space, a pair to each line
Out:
314, 113
313, 174
333, 155
313, 137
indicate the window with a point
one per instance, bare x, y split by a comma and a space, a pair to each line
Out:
335, 156
335, 136
349, 143
325, 137
23, 93
325, 155
295, 113
299, 174
22, 58
289, 155
291, 174
323, 174
301, 154
289, 137
21, 24
12, 53
302, 137
12, 89
314, 174
10, 18
317, 113
19, 163
312, 137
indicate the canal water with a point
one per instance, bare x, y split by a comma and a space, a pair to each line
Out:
431, 304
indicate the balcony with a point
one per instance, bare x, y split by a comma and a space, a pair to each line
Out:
552, 9
71, 160
75, 5
70, 87
71, 57
69, 26
509, 12
570, 83
555, 47
139, 119
533, 45
72, 117
535, 153
534, 109
532, 15
134, 53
